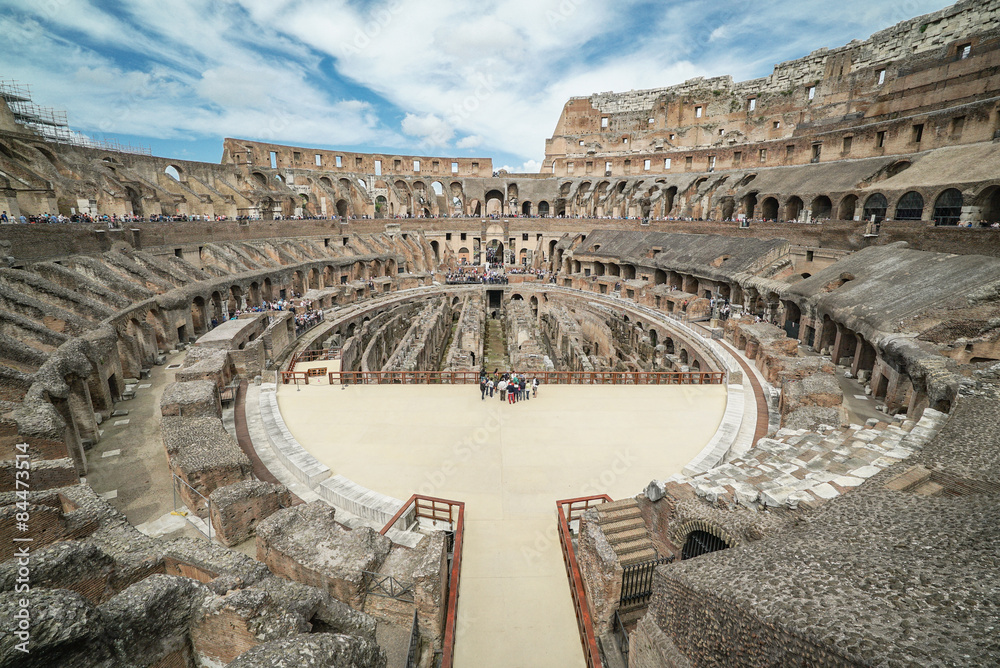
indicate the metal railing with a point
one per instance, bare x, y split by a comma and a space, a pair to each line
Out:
386, 586
637, 581
452, 512
569, 510
544, 377
412, 652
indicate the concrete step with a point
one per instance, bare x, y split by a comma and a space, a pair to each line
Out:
622, 525
624, 537
634, 545
612, 506
637, 557
618, 515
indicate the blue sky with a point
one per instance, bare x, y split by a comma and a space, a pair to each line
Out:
481, 78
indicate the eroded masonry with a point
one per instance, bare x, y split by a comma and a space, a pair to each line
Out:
821, 240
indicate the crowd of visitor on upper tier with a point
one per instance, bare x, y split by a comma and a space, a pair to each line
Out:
116, 221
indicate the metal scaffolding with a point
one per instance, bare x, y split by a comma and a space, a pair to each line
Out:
52, 124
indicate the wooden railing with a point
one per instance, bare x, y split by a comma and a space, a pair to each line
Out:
570, 510
452, 512
544, 377
313, 355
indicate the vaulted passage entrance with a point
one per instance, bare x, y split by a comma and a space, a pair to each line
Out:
701, 542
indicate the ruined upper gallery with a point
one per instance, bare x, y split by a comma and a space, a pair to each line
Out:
924, 83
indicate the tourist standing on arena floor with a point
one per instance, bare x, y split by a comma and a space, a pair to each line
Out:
482, 388
503, 390
490, 385
534, 387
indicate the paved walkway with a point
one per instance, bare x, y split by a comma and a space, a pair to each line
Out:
128, 467
509, 463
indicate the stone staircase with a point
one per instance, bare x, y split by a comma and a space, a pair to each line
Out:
625, 530
805, 468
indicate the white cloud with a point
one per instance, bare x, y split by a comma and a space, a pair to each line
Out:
494, 75
428, 128
469, 141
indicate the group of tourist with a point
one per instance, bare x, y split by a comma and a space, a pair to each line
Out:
113, 221
475, 275
118, 221
509, 385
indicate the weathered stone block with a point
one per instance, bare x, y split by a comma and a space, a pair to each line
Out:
195, 398
314, 650
202, 454
149, 621
238, 508
305, 543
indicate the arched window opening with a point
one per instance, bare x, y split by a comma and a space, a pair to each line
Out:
701, 542
910, 206
948, 207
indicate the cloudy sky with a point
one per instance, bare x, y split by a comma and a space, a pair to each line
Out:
441, 77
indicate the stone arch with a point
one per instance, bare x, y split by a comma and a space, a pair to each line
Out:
875, 208
669, 195
174, 172
343, 209
821, 207
268, 291
948, 207
494, 202
988, 202
628, 271
463, 255
749, 204
793, 208
910, 206
217, 313
769, 208
260, 179
847, 206
681, 533
728, 207
313, 279
253, 298
543, 209
199, 316
526, 208
235, 299
436, 250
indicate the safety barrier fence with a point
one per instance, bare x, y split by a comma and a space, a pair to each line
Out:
314, 355
544, 377
452, 513
569, 510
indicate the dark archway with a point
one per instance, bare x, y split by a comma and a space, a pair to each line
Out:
769, 209
821, 207
698, 543
793, 208
989, 205
910, 206
948, 207
875, 207
543, 209
845, 211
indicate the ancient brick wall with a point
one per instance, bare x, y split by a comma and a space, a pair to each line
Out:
708, 630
